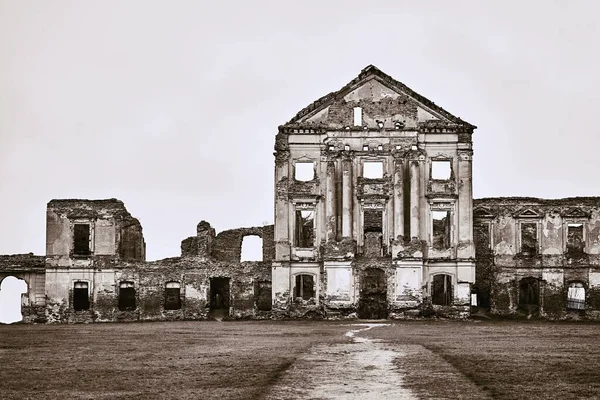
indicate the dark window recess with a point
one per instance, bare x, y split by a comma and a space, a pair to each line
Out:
305, 287
529, 240
305, 228
219, 293
441, 290
576, 296
373, 232
575, 243
81, 297
126, 296
172, 296
263, 295
529, 295
81, 239
441, 229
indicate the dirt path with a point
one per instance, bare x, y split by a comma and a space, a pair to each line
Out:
361, 369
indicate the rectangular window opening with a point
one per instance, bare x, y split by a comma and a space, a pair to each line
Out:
529, 239
81, 239
81, 297
172, 296
305, 287
373, 232
357, 116
575, 242
305, 228
441, 229
305, 171
441, 170
441, 290
576, 296
126, 296
373, 169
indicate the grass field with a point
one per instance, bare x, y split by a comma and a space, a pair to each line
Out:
256, 360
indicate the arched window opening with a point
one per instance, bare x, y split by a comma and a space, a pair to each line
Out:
172, 296
127, 296
441, 290
11, 290
576, 296
305, 287
251, 248
81, 296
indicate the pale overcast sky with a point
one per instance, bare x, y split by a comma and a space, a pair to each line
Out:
173, 106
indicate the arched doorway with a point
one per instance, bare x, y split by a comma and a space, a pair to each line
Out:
11, 289
372, 303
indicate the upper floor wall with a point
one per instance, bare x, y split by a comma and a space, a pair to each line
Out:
510, 228
377, 165
79, 231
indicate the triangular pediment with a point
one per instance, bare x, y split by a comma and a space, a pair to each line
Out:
575, 212
528, 213
482, 212
383, 102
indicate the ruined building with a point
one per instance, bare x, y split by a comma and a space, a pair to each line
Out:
374, 218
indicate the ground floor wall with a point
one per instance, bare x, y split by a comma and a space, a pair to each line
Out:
162, 292
553, 293
373, 288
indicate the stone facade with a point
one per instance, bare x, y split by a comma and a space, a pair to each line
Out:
373, 198
374, 218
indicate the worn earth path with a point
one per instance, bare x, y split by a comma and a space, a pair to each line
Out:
368, 368
360, 369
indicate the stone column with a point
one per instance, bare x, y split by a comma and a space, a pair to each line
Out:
414, 199
347, 198
398, 200
464, 207
330, 206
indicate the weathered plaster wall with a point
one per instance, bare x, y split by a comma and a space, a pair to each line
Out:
502, 265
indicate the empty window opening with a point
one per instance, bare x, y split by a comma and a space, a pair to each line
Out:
373, 169
305, 221
127, 296
373, 232
305, 287
441, 229
576, 296
305, 171
11, 290
81, 296
347, 147
380, 147
219, 293
575, 243
172, 296
366, 147
441, 170
81, 239
529, 295
529, 240
357, 116
263, 295
251, 248
441, 290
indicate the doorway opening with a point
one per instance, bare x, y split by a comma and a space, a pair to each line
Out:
373, 294
220, 295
